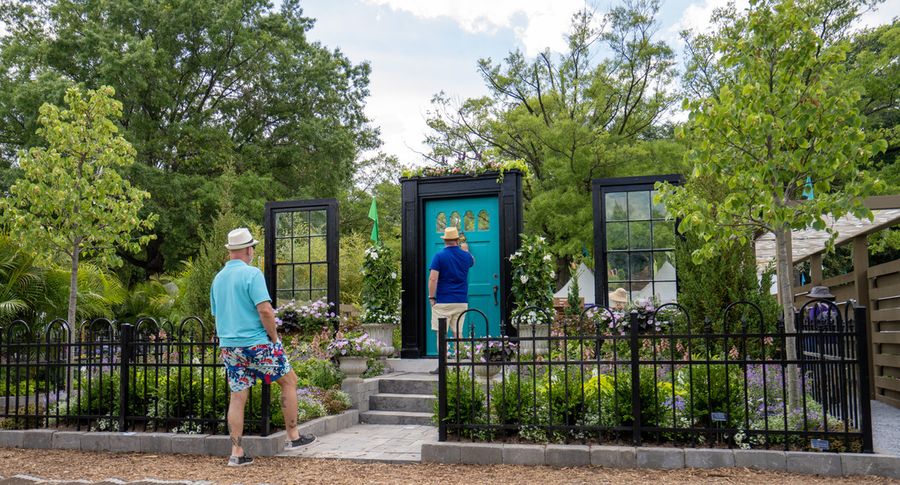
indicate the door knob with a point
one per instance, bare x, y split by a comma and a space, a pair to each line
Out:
496, 290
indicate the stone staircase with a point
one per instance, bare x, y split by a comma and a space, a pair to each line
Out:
402, 399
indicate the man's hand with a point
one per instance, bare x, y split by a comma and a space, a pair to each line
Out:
464, 247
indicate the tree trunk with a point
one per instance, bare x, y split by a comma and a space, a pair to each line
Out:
784, 270
73, 324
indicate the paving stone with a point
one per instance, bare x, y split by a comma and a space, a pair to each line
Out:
38, 438
523, 454
613, 456
708, 458
156, 442
129, 442
189, 444
760, 459
332, 424
868, 464
813, 463
660, 458
12, 438
262, 445
567, 455
316, 427
218, 445
96, 441
67, 440
447, 453
481, 453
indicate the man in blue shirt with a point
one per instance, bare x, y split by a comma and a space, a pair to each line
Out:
448, 282
249, 343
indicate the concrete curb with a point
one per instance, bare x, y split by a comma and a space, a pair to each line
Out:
800, 462
192, 444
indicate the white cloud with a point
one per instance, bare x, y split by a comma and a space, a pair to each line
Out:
538, 25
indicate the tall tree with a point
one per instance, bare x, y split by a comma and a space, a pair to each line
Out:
204, 84
781, 110
572, 118
71, 198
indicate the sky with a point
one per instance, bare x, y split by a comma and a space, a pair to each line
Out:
418, 48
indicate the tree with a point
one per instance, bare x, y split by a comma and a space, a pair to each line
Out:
571, 119
71, 198
204, 84
781, 111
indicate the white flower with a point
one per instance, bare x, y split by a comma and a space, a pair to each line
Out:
546, 257
393, 276
524, 278
374, 255
541, 238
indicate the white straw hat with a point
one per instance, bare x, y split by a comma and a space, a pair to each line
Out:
240, 238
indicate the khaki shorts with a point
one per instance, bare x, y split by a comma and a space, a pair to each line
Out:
452, 312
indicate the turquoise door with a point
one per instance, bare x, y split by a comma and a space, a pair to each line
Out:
478, 221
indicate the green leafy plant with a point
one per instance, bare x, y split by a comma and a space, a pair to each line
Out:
533, 278
381, 286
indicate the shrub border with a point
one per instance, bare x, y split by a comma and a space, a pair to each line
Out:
801, 462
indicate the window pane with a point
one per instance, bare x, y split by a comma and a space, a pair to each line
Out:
319, 276
659, 210
283, 278
616, 206
638, 206
301, 250
665, 291
469, 221
301, 223
664, 265
617, 266
641, 290
441, 222
283, 251
301, 277
283, 224
613, 286
318, 222
616, 235
455, 220
318, 250
664, 235
321, 294
484, 220
640, 266
284, 296
639, 235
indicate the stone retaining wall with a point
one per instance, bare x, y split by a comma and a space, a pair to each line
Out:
834, 464
193, 444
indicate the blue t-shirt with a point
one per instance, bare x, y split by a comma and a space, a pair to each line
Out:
235, 292
453, 281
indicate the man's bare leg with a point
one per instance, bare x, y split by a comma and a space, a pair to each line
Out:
288, 383
236, 405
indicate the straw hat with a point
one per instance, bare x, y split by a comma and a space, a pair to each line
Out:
618, 296
450, 233
240, 238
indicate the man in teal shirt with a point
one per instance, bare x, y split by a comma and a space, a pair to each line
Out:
250, 347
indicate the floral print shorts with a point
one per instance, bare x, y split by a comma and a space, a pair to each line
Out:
244, 365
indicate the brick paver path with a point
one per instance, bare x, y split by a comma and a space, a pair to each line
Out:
371, 443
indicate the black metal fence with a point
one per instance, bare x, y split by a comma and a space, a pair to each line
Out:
657, 376
107, 376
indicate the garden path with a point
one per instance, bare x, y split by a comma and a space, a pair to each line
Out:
371, 443
886, 428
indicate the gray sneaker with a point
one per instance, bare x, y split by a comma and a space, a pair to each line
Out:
240, 460
303, 440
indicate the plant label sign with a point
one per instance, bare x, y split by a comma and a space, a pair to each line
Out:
719, 417
819, 444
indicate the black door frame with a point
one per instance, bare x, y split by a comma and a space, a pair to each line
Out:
600, 187
415, 192
332, 243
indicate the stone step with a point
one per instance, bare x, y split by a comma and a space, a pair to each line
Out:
417, 403
407, 386
395, 417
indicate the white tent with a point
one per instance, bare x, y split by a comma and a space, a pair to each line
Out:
585, 285
665, 293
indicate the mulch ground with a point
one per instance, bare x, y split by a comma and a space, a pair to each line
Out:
75, 465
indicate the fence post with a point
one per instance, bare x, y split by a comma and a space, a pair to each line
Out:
125, 351
442, 378
635, 379
862, 363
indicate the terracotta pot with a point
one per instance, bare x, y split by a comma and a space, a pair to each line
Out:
384, 333
353, 367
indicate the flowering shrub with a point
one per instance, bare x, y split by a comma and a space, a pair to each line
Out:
490, 351
619, 320
309, 318
471, 167
381, 286
533, 278
361, 346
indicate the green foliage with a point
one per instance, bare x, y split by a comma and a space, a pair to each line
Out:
319, 373
381, 286
533, 275
715, 388
353, 248
22, 284
465, 401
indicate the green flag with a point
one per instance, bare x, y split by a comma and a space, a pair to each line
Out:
373, 214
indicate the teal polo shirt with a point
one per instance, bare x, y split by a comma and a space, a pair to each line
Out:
235, 292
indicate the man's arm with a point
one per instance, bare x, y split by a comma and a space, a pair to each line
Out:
267, 315
432, 285
465, 247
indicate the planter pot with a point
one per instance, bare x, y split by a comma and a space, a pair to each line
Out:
487, 372
353, 367
383, 333
528, 332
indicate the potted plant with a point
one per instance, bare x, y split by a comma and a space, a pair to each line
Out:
381, 295
352, 353
305, 318
533, 277
489, 352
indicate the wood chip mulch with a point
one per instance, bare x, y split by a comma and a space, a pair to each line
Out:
76, 465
